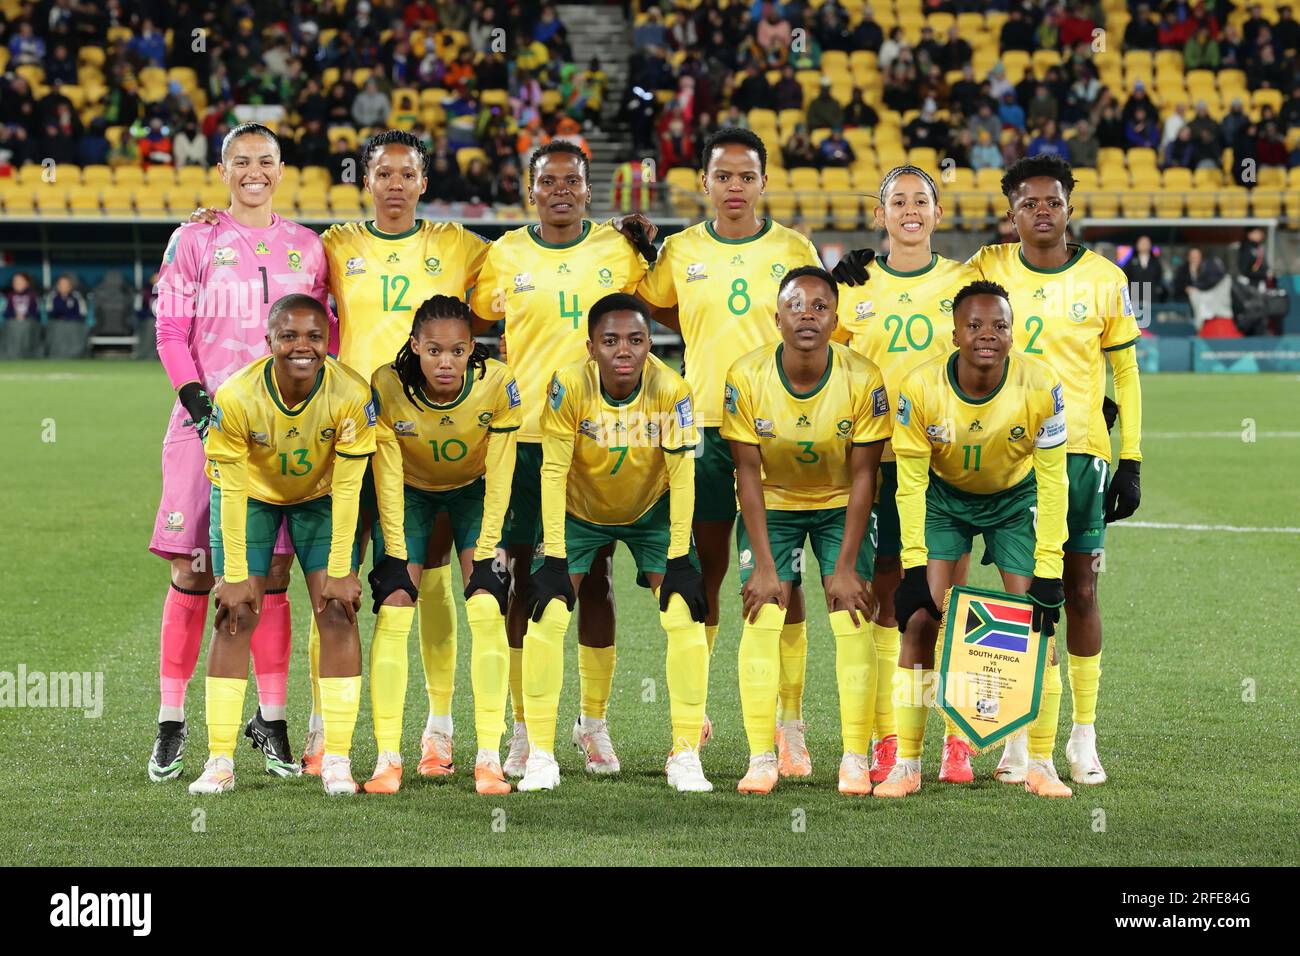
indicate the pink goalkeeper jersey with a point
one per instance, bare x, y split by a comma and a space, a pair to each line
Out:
217, 284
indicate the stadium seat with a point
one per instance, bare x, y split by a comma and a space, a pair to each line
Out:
31, 174
1135, 205
151, 202
989, 181
846, 211
1104, 205
345, 202
118, 201
1266, 203
84, 200
1293, 210
1200, 205
1272, 177
1043, 60
1085, 177
780, 205
787, 120
160, 176
972, 206
962, 180
467, 154
96, 175
683, 185
214, 197
192, 176
128, 176
1203, 179
1233, 203
925, 157
312, 202
1177, 179
1169, 205
315, 176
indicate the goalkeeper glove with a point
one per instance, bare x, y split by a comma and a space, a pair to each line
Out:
1047, 595
912, 595
486, 577
682, 577
636, 232
387, 578
1109, 411
1124, 493
852, 268
195, 400
550, 581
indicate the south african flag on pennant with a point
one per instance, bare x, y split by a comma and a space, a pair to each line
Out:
991, 664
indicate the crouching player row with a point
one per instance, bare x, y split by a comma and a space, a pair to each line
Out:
618, 440
288, 442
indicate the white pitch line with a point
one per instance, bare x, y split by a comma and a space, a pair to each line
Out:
1202, 527
1236, 434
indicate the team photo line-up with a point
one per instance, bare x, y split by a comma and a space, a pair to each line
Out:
883, 415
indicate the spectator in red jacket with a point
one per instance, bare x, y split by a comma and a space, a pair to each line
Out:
676, 147
1173, 34
1076, 27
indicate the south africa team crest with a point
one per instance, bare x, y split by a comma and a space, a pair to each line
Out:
295, 259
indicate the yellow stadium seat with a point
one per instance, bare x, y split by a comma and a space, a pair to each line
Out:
96, 175
118, 201
1169, 205
315, 176
1141, 157
1293, 210
1266, 97
780, 205
20, 201
1233, 203
1204, 179
84, 200
118, 35
863, 60
835, 61
214, 197
1230, 81
925, 157
683, 187
91, 56
1085, 178
1043, 60
1169, 60
192, 176
846, 212
1139, 59
970, 24
788, 119
1016, 63
836, 179
761, 116
989, 180
1177, 179
31, 174
345, 202
1271, 177
1266, 203
1135, 205
972, 205
128, 176
959, 179
312, 202
160, 176
1200, 205
467, 155
1104, 204
151, 201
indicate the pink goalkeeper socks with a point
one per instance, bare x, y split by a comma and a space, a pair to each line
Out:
270, 646
183, 618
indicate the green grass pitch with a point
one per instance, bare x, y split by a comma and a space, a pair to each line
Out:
1198, 697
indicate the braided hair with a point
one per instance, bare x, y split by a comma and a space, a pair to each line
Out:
438, 308
897, 171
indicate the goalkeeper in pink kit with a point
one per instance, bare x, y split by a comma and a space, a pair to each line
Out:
214, 290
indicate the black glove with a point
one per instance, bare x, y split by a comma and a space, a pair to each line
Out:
550, 581
912, 595
388, 577
681, 577
1047, 595
195, 400
852, 267
1109, 411
1125, 491
486, 577
642, 242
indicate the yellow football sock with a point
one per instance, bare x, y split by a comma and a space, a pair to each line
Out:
388, 667
438, 638
340, 701
760, 667
544, 674
225, 714
711, 634
688, 673
489, 668
886, 640
794, 663
1085, 678
313, 665
517, 683
1042, 732
595, 679
855, 673
911, 709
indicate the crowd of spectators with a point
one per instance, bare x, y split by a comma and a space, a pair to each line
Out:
323, 72
118, 309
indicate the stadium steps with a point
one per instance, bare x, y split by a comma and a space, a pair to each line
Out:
604, 32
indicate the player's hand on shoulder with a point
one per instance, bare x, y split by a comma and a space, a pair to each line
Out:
763, 587
550, 581
913, 595
851, 270
490, 575
387, 578
1047, 595
1124, 493
639, 231
847, 592
204, 214
682, 577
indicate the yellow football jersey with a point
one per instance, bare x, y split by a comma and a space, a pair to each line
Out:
616, 454
543, 291
985, 445
804, 440
445, 446
725, 293
290, 452
1068, 317
379, 280
901, 319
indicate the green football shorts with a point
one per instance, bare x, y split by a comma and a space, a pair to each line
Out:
523, 524
647, 538
1006, 520
1086, 518
715, 478
464, 506
310, 528
787, 532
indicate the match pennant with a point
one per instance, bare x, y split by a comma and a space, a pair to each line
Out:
992, 663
